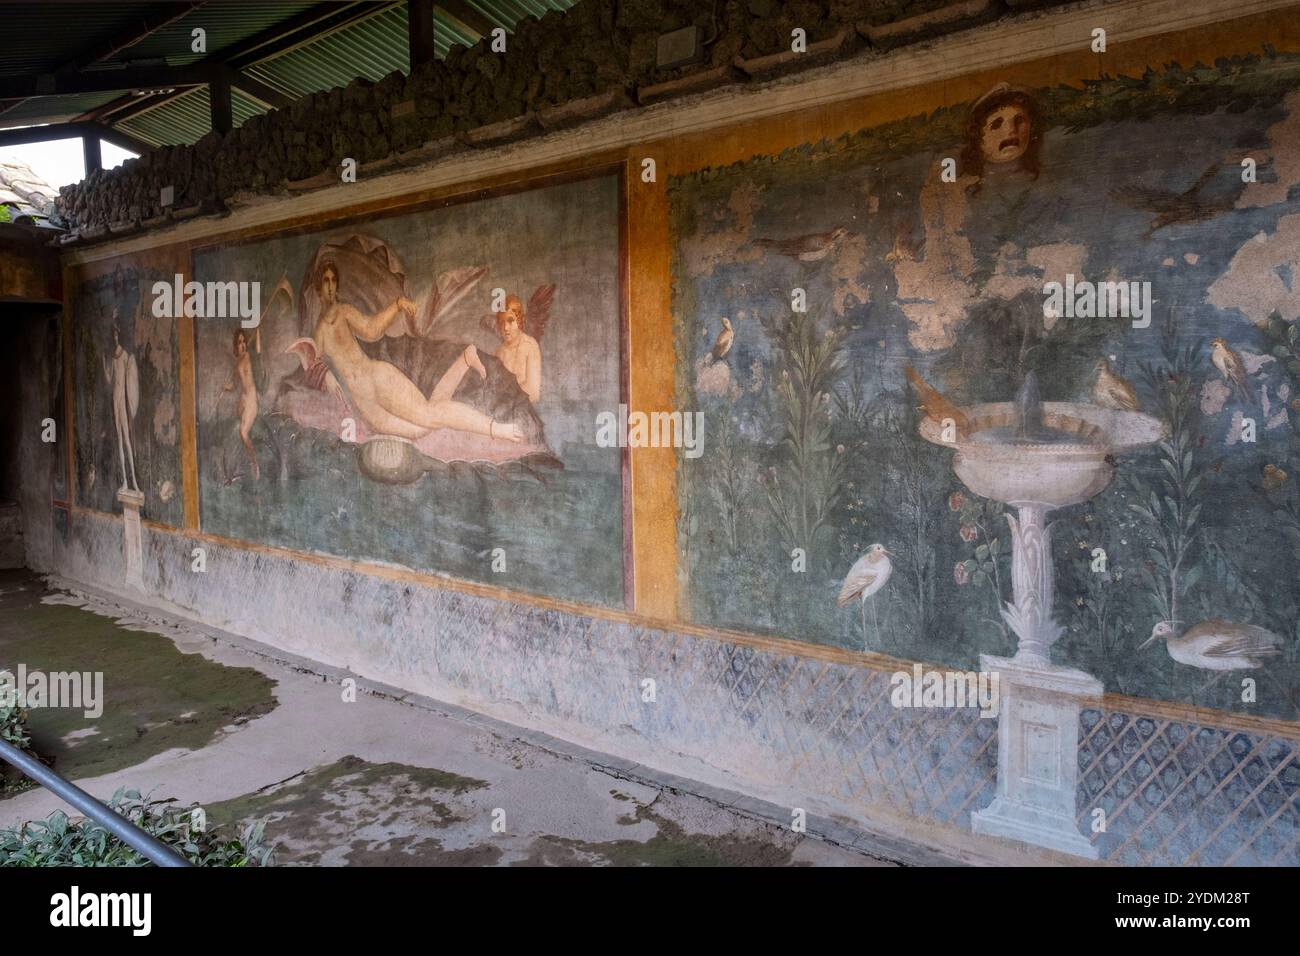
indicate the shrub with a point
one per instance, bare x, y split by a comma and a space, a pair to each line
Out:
58, 841
13, 730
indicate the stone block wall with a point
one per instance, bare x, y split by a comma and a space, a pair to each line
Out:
597, 57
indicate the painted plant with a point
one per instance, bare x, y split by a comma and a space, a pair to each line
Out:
941, 260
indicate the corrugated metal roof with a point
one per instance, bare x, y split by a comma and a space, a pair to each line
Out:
186, 119
224, 23
53, 109
376, 46
510, 12
372, 47
32, 47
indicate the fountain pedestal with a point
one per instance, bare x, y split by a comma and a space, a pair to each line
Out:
1029, 613
132, 545
1038, 764
1037, 457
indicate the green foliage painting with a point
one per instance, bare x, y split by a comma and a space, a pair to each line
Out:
838, 300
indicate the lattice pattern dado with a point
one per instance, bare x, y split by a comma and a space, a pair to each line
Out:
780, 725
1182, 793
787, 722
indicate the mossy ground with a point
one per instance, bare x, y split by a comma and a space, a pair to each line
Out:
389, 814
349, 810
155, 697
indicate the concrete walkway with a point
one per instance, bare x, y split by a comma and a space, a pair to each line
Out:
375, 781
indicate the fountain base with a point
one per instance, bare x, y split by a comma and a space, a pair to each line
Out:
132, 544
1038, 769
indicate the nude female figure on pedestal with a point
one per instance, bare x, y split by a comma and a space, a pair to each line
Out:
124, 380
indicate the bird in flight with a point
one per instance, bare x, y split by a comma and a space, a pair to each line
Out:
809, 248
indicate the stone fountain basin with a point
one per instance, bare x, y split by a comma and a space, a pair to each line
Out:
1053, 475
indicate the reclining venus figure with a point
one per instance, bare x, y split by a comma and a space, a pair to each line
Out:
388, 400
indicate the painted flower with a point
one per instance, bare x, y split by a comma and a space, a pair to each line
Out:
969, 532
956, 500
959, 573
1274, 477
839, 449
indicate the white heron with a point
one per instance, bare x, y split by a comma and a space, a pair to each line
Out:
868, 575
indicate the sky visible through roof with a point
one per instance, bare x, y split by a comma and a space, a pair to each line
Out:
60, 162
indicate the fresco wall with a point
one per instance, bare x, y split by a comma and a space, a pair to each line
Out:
421, 391
927, 293
126, 395
812, 446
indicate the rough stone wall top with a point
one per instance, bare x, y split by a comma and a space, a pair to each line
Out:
565, 68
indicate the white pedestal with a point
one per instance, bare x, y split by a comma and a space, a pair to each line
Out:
1038, 755
132, 545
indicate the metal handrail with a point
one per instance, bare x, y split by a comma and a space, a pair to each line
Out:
122, 828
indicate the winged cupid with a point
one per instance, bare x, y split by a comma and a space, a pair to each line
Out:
519, 331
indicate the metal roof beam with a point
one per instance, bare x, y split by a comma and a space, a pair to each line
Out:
168, 13
266, 95
38, 134
90, 154
103, 81
219, 104
304, 28
120, 139
124, 107
419, 33
466, 17
45, 134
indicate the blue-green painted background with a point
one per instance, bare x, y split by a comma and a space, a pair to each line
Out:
948, 277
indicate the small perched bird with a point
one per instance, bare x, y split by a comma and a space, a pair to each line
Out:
1216, 645
936, 406
1112, 390
1228, 362
868, 575
722, 344
808, 248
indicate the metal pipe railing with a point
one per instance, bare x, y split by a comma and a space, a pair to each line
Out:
116, 824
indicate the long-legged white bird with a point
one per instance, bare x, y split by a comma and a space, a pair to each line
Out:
868, 575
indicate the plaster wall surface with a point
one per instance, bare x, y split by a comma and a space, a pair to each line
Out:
783, 727
794, 725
